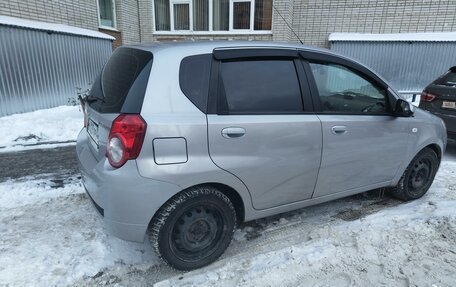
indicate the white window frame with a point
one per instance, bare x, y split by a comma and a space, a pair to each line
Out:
252, 15
190, 12
114, 18
230, 31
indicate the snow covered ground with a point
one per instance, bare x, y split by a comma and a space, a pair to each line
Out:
404, 244
52, 236
42, 128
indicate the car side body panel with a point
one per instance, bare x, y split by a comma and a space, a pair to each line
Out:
131, 195
277, 158
425, 130
369, 152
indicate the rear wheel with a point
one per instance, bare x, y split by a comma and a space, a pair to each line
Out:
193, 228
418, 176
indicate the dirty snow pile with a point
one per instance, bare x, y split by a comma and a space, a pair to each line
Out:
42, 128
410, 244
50, 235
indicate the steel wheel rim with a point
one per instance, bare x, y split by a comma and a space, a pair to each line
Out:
197, 233
420, 175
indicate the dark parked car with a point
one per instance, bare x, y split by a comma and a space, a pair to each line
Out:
439, 98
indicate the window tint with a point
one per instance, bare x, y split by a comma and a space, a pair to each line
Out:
343, 91
123, 81
194, 79
263, 86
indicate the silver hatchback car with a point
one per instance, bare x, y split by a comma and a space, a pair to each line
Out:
185, 140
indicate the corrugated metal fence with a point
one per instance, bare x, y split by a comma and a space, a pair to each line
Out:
407, 66
43, 69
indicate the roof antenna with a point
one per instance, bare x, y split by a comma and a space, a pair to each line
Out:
296, 35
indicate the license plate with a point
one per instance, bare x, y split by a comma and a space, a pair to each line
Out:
92, 131
448, 105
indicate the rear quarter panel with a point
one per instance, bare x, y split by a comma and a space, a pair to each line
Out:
169, 114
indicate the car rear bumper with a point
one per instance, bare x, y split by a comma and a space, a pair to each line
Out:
126, 200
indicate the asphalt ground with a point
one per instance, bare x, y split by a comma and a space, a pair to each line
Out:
62, 162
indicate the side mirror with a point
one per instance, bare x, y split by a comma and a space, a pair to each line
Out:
403, 108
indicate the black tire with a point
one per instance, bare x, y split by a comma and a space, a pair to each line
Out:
193, 228
418, 176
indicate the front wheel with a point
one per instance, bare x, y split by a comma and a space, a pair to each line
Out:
418, 176
193, 228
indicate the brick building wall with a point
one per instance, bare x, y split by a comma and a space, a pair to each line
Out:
282, 19
146, 20
128, 21
79, 13
314, 20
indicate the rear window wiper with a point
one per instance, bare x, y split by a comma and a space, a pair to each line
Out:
90, 99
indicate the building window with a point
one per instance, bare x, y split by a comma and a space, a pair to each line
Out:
181, 12
213, 15
107, 13
221, 15
241, 15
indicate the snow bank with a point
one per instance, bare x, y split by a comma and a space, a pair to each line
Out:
410, 244
60, 28
60, 124
52, 236
405, 37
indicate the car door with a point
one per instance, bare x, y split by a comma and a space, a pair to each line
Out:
363, 143
259, 128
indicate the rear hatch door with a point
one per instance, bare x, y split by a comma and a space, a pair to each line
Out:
445, 90
120, 88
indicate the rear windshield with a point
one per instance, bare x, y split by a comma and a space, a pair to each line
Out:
450, 79
123, 82
447, 79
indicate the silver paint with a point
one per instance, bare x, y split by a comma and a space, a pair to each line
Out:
275, 163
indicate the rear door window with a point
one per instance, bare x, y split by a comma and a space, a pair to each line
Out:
259, 87
123, 82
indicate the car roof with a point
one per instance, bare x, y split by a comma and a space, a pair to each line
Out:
204, 46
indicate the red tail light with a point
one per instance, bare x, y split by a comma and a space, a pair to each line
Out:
427, 97
125, 139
